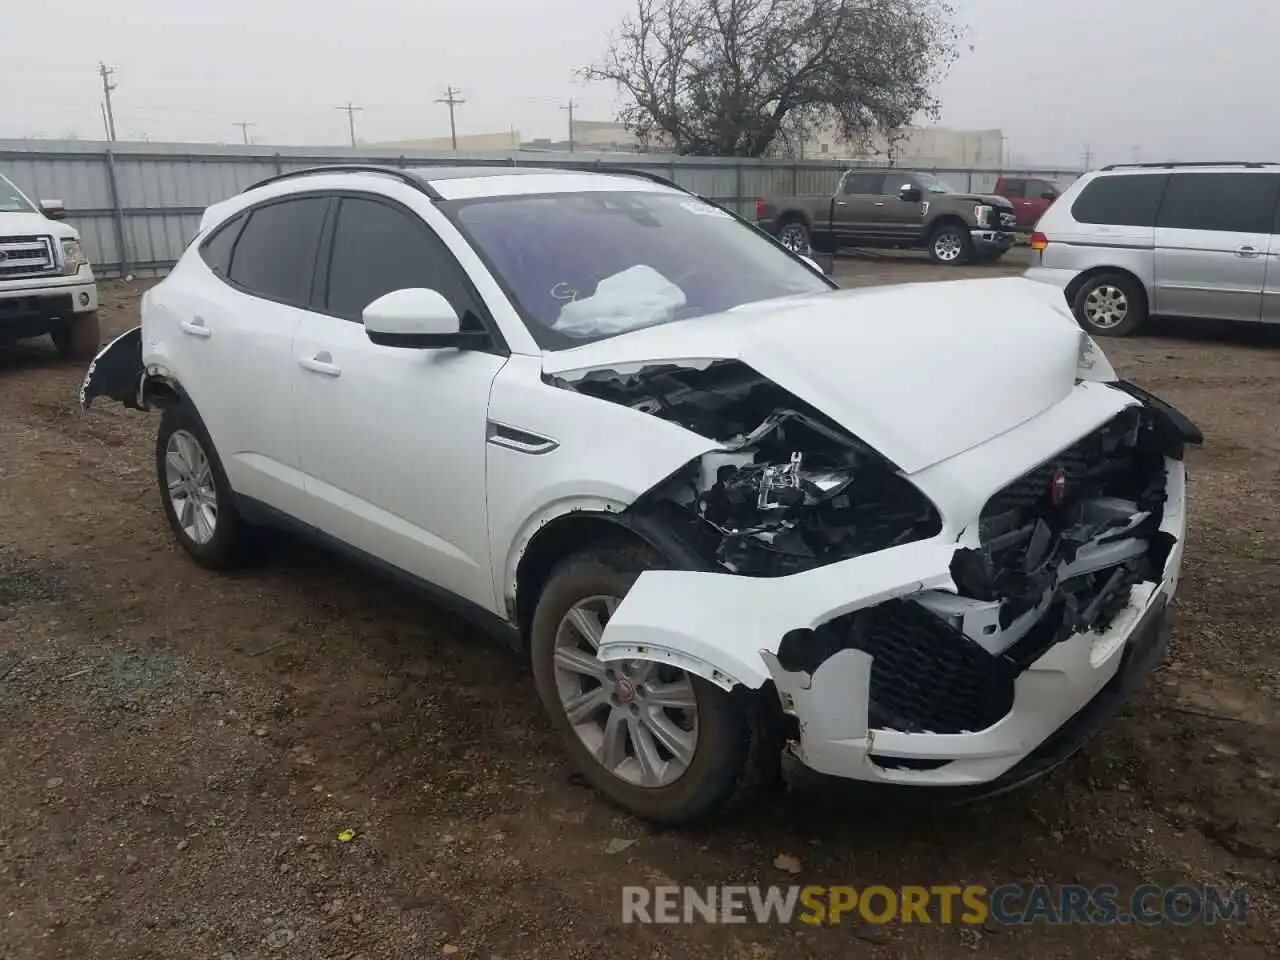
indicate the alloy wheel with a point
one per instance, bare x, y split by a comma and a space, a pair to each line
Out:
638, 719
189, 480
1106, 306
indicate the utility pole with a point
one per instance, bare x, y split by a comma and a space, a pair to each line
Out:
1088, 157
351, 120
452, 99
570, 106
106, 129
107, 86
244, 126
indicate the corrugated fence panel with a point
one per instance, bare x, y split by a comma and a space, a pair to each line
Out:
164, 188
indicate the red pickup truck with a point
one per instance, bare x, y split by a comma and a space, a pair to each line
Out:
1030, 197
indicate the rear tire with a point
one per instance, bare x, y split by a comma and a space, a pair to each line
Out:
1110, 305
734, 751
950, 245
194, 490
794, 235
79, 338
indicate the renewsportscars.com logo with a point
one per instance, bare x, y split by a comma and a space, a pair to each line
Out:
1010, 904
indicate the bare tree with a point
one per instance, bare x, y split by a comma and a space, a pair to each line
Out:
722, 77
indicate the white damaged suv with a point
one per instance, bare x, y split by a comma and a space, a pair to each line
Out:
46, 283
739, 519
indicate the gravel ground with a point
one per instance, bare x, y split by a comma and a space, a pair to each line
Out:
179, 751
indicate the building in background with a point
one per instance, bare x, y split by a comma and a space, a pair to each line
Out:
470, 142
916, 147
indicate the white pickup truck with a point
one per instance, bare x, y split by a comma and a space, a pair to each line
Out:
46, 283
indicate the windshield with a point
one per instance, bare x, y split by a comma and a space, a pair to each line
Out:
11, 199
931, 184
584, 266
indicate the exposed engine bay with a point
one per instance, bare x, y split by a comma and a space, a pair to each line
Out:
789, 490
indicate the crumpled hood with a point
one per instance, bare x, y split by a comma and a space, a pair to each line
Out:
33, 225
921, 372
990, 199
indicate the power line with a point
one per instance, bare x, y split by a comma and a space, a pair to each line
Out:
452, 99
244, 126
107, 86
570, 106
351, 119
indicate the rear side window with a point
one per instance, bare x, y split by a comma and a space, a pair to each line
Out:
378, 248
275, 254
1010, 187
864, 183
1222, 202
1128, 200
216, 251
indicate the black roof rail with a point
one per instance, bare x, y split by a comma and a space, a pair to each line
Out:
1171, 164
404, 176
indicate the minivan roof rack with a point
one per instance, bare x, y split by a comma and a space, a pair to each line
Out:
404, 176
1170, 164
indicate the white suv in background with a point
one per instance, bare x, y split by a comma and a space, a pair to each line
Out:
1194, 240
739, 519
46, 283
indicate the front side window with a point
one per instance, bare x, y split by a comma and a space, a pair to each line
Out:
275, 253
377, 249
12, 200
584, 266
1221, 202
1129, 200
864, 184
929, 183
216, 251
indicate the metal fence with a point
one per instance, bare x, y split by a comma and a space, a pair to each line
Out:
138, 205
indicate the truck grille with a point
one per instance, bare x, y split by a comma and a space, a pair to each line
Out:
1008, 218
26, 257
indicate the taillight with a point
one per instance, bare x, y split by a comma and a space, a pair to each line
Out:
1039, 241
759, 209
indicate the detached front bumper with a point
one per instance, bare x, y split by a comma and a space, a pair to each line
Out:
1057, 700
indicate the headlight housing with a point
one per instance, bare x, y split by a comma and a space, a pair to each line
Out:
982, 215
73, 257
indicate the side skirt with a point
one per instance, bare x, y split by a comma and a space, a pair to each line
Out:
257, 513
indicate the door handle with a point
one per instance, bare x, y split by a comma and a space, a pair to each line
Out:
879, 203
322, 363
196, 328
1246, 252
840, 203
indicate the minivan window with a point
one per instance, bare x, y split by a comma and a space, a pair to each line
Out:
378, 248
1221, 202
1129, 200
275, 254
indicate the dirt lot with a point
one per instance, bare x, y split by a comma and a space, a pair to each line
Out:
179, 751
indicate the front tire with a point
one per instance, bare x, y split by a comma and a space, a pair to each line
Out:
79, 338
664, 745
194, 489
950, 245
1110, 305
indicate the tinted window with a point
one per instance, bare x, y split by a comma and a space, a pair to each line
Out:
1126, 200
864, 183
1033, 189
378, 248
1228, 202
216, 251
1009, 187
275, 253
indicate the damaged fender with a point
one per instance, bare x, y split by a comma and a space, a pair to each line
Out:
117, 372
699, 621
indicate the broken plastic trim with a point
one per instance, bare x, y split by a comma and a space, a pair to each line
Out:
787, 491
117, 372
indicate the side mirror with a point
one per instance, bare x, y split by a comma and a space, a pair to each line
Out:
909, 193
418, 319
53, 209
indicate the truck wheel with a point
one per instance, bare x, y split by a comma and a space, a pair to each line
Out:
665, 745
1110, 305
950, 245
194, 489
794, 234
78, 338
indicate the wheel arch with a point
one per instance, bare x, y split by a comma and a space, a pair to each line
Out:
1077, 283
945, 220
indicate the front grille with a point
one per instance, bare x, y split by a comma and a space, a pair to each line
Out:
1083, 464
26, 257
926, 676
1008, 219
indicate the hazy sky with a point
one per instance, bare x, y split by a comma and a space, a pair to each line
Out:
1146, 78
